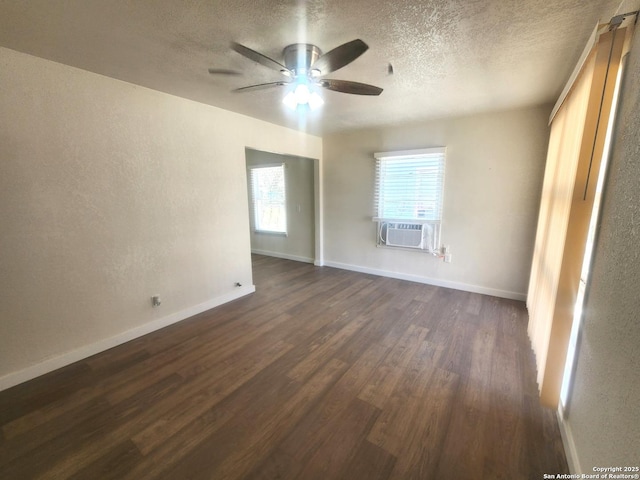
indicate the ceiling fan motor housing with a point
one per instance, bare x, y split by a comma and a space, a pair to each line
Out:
299, 58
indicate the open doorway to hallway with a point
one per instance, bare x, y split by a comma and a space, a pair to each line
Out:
283, 197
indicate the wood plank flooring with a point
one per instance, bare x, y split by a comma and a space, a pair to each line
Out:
321, 374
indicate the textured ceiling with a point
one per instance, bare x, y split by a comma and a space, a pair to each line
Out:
450, 57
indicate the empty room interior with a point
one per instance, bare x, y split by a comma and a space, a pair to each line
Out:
319, 239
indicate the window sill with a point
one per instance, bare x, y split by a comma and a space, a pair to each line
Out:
274, 234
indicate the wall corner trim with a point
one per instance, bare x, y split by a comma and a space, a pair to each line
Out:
51, 364
431, 281
568, 443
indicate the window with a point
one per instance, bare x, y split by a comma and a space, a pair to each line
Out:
269, 199
408, 198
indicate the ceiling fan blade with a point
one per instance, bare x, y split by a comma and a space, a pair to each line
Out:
340, 56
223, 71
260, 58
345, 86
260, 86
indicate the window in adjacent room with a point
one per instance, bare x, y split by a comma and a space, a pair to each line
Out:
268, 196
408, 198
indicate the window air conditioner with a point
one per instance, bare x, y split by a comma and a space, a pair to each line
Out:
408, 235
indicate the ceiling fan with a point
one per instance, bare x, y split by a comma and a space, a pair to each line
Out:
304, 68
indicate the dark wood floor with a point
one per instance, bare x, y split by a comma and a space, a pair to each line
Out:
321, 374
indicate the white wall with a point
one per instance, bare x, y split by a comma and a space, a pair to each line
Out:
111, 193
602, 424
299, 243
495, 164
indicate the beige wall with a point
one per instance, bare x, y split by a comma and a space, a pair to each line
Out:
602, 422
299, 243
111, 193
494, 170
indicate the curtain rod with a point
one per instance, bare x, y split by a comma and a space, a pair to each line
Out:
612, 24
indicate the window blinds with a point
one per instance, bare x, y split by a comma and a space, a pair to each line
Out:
409, 185
577, 146
269, 198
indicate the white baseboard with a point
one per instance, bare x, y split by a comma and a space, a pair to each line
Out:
568, 443
286, 256
86, 351
430, 281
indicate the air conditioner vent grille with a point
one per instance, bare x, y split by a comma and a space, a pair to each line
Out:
423, 236
406, 235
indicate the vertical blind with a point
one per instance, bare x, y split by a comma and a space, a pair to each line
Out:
555, 207
409, 185
269, 198
576, 150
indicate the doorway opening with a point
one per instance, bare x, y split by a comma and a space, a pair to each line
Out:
283, 198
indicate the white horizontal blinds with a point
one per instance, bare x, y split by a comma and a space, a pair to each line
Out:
269, 198
409, 185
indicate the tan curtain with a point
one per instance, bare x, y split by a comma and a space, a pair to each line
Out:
573, 159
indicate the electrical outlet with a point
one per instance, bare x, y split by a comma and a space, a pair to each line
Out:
156, 301
447, 258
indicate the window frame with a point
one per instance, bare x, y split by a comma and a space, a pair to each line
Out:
256, 216
387, 185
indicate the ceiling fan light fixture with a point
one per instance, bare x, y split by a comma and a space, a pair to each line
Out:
315, 101
290, 101
302, 95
